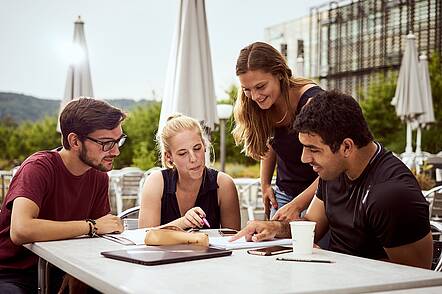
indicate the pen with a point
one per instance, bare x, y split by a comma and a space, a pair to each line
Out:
206, 222
304, 260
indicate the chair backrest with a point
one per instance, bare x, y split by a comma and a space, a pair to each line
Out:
436, 206
130, 183
126, 185
436, 230
437, 256
130, 218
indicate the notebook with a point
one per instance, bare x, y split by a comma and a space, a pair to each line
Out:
154, 255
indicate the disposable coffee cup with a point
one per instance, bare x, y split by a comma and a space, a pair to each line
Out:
303, 233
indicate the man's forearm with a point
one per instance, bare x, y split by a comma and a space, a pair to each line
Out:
44, 230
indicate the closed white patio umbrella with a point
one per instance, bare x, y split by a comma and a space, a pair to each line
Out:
189, 85
78, 81
427, 116
407, 99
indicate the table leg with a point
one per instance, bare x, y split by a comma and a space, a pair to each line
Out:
42, 276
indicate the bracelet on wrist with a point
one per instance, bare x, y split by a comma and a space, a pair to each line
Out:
92, 227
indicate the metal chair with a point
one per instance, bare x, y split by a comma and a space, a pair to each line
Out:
130, 215
434, 197
126, 184
436, 230
130, 218
250, 196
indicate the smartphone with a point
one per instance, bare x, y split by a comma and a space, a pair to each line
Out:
268, 251
227, 232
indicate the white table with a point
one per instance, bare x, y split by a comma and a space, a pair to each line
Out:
239, 273
426, 290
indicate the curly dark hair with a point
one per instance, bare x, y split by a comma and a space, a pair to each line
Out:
334, 116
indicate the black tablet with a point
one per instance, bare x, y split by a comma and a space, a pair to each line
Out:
154, 255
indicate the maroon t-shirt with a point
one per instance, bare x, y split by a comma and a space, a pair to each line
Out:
61, 196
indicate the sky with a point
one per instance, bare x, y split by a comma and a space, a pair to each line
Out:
128, 42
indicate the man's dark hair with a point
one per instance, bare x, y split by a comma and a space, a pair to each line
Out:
334, 116
84, 115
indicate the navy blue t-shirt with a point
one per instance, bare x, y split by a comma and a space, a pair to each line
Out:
383, 207
292, 176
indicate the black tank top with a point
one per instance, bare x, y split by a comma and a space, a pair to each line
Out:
207, 198
292, 176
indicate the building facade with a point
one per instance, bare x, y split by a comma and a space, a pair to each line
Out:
348, 44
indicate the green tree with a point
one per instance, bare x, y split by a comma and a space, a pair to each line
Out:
7, 127
30, 137
380, 114
141, 127
432, 137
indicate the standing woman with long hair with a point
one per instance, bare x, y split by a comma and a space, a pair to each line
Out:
264, 113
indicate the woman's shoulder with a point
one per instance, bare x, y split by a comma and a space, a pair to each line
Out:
156, 177
224, 179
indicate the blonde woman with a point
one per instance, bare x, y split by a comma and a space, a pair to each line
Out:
264, 113
186, 193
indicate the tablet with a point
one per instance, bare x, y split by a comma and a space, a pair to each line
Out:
154, 255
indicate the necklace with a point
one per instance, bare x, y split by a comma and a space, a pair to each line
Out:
283, 118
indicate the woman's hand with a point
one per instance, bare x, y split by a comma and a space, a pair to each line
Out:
193, 218
268, 197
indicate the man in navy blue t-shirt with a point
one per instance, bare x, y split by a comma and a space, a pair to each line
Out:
368, 198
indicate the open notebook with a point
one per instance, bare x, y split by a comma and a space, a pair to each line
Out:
154, 255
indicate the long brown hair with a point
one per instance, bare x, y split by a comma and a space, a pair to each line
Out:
253, 125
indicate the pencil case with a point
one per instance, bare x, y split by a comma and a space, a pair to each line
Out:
172, 235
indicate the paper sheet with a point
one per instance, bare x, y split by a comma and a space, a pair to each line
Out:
128, 237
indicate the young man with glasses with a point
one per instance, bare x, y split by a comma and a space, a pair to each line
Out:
61, 194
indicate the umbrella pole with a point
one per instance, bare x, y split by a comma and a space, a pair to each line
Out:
408, 147
419, 156
418, 140
408, 156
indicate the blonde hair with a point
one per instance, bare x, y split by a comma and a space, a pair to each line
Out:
175, 124
254, 127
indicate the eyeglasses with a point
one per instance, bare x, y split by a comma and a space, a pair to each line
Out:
108, 145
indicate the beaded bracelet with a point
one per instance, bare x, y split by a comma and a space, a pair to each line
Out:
92, 227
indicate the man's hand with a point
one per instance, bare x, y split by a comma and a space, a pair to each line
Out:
109, 224
268, 198
259, 231
73, 285
288, 212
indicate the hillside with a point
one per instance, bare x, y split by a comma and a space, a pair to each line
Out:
19, 107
